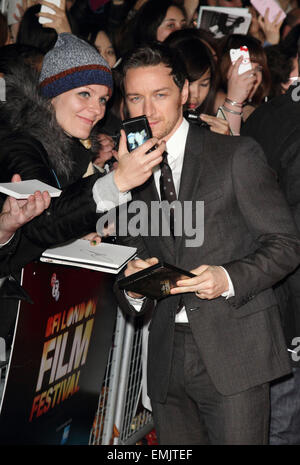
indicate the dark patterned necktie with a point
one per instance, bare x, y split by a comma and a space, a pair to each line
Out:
167, 188
168, 192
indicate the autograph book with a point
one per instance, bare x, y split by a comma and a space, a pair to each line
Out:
23, 189
110, 258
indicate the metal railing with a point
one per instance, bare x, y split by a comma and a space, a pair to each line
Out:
121, 419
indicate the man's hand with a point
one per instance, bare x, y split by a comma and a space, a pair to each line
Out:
59, 18
210, 282
16, 213
135, 168
137, 265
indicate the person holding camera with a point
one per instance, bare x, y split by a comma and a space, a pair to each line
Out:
45, 132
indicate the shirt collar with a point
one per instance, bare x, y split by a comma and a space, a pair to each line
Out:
176, 143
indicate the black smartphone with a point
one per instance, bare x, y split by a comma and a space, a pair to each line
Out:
137, 132
193, 117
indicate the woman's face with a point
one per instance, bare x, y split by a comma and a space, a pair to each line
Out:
78, 110
173, 21
105, 48
198, 90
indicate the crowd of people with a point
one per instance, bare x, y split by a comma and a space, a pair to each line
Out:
222, 353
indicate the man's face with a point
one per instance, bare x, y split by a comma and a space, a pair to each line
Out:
151, 91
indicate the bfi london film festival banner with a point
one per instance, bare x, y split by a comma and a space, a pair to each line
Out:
59, 356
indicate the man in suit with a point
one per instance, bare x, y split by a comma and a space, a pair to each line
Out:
216, 342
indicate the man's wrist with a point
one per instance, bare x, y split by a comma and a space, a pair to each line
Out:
230, 290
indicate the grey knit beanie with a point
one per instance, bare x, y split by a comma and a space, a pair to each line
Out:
72, 63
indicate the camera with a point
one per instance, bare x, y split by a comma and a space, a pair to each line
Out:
194, 117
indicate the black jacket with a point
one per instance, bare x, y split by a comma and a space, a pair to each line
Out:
34, 146
276, 127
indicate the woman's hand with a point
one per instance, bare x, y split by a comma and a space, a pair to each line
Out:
94, 238
22, 7
239, 86
107, 150
271, 29
135, 168
59, 20
217, 125
15, 213
190, 7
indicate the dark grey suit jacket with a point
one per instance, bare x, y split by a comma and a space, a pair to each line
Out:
249, 230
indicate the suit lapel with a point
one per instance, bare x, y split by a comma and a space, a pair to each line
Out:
193, 164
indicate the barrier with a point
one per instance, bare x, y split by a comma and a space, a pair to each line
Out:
121, 419
104, 405
58, 357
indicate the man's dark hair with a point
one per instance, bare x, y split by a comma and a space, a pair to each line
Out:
153, 55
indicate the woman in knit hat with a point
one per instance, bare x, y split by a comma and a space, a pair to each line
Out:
46, 133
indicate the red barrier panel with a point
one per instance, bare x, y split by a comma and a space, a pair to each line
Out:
59, 356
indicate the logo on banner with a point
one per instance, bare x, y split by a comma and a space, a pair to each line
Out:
65, 350
55, 287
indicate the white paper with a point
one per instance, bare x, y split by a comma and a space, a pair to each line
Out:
23, 189
46, 9
212, 18
102, 257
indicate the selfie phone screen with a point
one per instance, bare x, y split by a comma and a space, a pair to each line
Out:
137, 131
